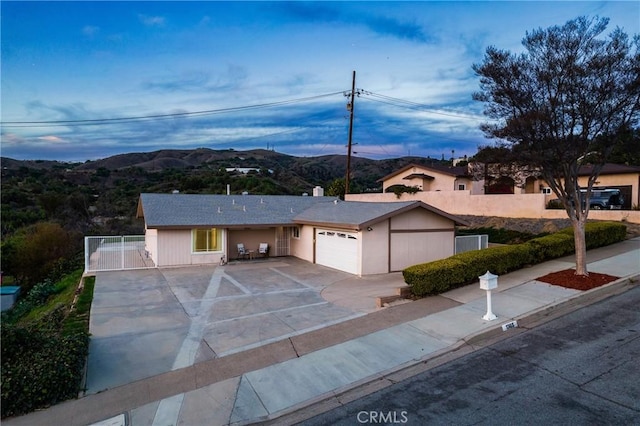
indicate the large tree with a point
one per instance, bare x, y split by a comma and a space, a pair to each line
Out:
567, 100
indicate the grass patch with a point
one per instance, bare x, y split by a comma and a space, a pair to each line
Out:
64, 292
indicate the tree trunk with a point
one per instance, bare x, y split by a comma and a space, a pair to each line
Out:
581, 246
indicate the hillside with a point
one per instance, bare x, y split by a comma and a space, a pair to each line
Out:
101, 196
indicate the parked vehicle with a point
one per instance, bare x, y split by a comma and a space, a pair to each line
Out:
601, 199
605, 199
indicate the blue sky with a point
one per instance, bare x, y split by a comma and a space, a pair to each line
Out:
263, 74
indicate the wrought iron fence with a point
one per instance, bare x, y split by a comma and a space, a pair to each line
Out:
471, 242
115, 253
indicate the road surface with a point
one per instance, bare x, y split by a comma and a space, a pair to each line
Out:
580, 369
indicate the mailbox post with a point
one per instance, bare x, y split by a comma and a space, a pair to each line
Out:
488, 282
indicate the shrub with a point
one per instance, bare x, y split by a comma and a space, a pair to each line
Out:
43, 355
552, 246
435, 277
461, 269
500, 235
600, 234
39, 367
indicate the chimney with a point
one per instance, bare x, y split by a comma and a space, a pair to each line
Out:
318, 191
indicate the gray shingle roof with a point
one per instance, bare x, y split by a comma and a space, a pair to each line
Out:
189, 210
357, 215
194, 210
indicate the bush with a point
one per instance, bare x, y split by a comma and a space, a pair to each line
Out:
43, 355
500, 235
435, 277
552, 246
464, 268
600, 234
39, 368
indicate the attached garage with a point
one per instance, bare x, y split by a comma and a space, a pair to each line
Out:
338, 249
375, 238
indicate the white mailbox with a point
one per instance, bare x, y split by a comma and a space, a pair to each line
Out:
488, 281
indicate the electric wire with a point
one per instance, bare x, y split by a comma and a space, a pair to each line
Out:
103, 121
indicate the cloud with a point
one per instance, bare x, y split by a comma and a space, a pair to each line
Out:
152, 21
90, 30
381, 25
51, 139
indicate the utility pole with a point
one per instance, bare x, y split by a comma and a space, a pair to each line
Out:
350, 107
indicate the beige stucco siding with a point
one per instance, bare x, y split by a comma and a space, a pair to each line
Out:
174, 249
151, 243
419, 236
440, 181
303, 247
419, 219
420, 247
375, 249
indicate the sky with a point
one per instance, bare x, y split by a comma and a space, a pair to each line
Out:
88, 80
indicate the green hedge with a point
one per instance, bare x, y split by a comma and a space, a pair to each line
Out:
464, 268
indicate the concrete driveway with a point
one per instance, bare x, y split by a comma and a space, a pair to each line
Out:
147, 322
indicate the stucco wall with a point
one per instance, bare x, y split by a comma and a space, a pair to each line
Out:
441, 181
508, 205
419, 236
375, 249
151, 243
174, 249
303, 247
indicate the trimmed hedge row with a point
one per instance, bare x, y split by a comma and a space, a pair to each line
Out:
464, 268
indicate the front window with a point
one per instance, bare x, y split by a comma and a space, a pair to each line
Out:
295, 232
207, 240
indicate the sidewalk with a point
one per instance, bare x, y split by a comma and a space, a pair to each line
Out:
345, 360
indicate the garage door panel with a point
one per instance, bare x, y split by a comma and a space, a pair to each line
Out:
338, 250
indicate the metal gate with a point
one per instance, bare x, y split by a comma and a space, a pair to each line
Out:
116, 253
471, 242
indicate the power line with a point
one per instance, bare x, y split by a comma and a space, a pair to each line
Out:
376, 97
103, 121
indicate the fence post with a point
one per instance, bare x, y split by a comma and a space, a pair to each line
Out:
122, 249
86, 254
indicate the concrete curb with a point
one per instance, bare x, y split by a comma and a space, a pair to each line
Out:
465, 346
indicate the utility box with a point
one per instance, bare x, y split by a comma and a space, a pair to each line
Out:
488, 281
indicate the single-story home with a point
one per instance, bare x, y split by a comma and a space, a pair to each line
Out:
357, 237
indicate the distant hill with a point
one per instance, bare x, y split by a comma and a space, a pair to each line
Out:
307, 170
100, 197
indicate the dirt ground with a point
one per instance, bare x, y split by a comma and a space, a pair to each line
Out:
534, 226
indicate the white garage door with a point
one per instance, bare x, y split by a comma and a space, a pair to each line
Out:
338, 250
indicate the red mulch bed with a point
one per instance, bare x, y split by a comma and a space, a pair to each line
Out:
569, 279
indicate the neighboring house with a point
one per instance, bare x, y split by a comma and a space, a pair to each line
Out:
430, 178
357, 237
479, 178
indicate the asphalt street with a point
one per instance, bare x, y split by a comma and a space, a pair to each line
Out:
580, 369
